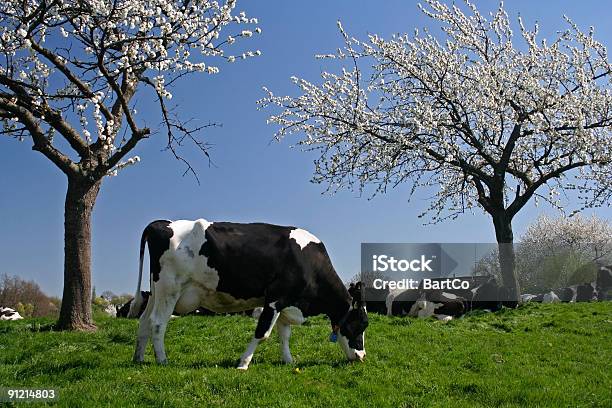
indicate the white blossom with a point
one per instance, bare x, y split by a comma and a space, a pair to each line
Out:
129, 162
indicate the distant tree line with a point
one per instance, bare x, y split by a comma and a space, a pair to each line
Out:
27, 298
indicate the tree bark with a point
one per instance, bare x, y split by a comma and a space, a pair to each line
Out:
505, 244
81, 196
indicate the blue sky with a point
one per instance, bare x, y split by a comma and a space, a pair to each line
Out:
254, 178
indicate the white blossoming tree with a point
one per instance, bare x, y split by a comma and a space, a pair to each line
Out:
478, 119
69, 72
562, 251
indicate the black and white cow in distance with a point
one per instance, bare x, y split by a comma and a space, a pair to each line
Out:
124, 310
6, 313
586, 292
604, 282
485, 294
230, 267
442, 305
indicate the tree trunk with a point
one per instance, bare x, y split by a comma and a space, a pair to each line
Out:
505, 245
75, 313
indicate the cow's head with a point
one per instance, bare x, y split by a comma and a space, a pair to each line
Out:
353, 325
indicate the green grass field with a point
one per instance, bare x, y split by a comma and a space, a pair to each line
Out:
538, 355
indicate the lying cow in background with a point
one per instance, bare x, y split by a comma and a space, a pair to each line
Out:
550, 297
489, 295
587, 292
231, 267
6, 313
441, 305
527, 297
484, 294
604, 282
577, 293
400, 304
566, 294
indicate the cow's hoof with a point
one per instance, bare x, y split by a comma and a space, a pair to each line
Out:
163, 362
242, 367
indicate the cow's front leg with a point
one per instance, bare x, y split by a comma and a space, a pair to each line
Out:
284, 332
266, 322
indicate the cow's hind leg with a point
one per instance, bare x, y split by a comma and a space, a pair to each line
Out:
160, 314
266, 322
143, 334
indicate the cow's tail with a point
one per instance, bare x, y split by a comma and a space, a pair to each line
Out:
138, 299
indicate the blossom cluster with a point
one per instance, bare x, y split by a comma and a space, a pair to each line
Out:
120, 166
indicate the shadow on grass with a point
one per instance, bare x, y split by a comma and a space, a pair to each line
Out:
30, 327
225, 363
121, 338
51, 368
231, 363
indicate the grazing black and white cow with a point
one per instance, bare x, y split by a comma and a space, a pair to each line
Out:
230, 267
6, 313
